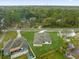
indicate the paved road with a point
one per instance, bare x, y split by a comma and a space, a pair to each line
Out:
48, 29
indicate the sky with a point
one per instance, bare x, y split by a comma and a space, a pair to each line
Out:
40, 2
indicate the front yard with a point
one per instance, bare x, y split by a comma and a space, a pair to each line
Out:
10, 35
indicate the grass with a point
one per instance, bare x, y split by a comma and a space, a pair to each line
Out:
1, 45
0, 33
22, 57
0, 54
57, 42
6, 57
10, 35
75, 42
54, 55
1, 42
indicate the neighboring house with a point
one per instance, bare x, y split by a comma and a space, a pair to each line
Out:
67, 33
71, 46
41, 38
18, 47
76, 53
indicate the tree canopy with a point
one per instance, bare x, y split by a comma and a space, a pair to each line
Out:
46, 16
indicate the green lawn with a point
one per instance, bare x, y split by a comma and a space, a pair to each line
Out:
6, 57
10, 35
22, 57
1, 45
54, 55
0, 54
1, 42
57, 42
0, 33
75, 42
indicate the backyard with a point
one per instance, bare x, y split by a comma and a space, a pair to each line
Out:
10, 35
52, 54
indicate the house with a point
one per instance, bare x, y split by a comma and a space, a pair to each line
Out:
67, 33
41, 37
18, 47
70, 47
70, 56
76, 53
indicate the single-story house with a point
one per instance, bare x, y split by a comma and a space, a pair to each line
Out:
41, 38
67, 33
18, 47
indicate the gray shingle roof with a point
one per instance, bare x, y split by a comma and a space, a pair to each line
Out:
41, 38
7, 46
15, 43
